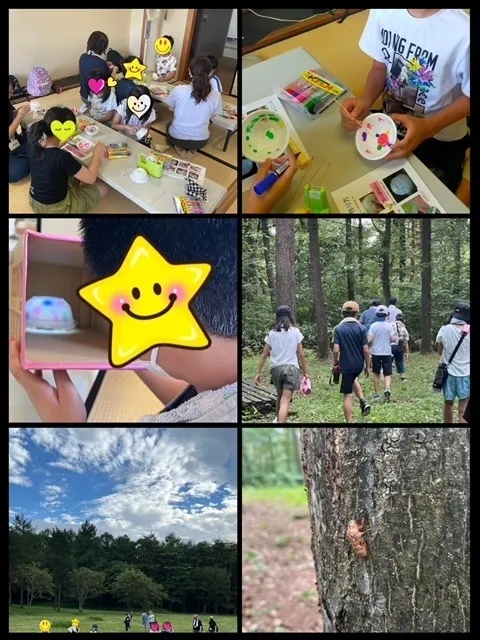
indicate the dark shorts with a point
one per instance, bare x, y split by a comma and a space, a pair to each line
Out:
382, 362
286, 376
346, 385
190, 145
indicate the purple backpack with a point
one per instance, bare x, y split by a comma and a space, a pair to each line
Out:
39, 82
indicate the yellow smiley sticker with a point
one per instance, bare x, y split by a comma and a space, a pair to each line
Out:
111, 82
134, 69
148, 303
163, 46
63, 130
45, 626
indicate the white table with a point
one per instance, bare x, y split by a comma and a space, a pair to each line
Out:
333, 149
156, 195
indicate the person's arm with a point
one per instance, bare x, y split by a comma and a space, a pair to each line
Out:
118, 126
375, 83
366, 358
266, 202
13, 127
336, 354
406, 349
302, 360
89, 174
107, 117
263, 358
164, 388
169, 76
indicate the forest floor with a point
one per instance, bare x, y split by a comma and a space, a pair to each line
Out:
278, 574
412, 401
28, 619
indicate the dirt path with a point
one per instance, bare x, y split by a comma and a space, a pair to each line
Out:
279, 591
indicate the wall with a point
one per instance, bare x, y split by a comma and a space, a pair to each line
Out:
136, 24
174, 25
55, 38
232, 31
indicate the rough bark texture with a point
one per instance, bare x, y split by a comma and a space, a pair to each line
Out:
285, 271
426, 303
323, 347
349, 267
386, 249
412, 487
267, 252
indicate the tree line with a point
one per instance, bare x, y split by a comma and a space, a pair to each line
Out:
271, 456
110, 572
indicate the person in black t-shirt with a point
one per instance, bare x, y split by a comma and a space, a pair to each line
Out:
197, 626
124, 86
54, 188
94, 58
18, 165
212, 625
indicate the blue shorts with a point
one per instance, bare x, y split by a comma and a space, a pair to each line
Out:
457, 387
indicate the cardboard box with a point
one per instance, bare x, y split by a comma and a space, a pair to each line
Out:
50, 265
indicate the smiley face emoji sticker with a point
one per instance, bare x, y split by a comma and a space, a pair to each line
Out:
163, 46
134, 69
139, 106
45, 626
148, 303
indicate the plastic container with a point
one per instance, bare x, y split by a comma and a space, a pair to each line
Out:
264, 135
140, 176
375, 139
48, 314
92, 130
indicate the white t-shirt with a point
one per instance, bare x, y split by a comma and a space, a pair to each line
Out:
383, 334
283, 345
99, 109
428, 61
151, 618
216, 84
134, 121
449, 335
393, 311
166, 64
190, 120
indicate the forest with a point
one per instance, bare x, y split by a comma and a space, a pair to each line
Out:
106, 572
315, 265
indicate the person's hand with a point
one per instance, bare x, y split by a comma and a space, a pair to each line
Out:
22, 112
366, 372
358, 108
131, 130
257, 380
99, 149
418, 130
405, 356
266, 202
60, 404
306, 375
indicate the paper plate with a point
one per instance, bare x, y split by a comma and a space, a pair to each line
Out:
376, 137
92, 130
264, 135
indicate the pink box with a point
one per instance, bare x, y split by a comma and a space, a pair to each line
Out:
48, 265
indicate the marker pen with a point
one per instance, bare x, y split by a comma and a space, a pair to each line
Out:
272, 177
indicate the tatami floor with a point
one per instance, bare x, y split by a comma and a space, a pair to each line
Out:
216, 162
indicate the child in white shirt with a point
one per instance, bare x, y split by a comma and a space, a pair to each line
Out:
102, 104
135, 115
214, 79
166, 66
421, 60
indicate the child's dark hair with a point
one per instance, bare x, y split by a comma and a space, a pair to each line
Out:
130, 59
172, 41
284, 318
44, 127
101, 74
213, 63
11, 81
97, 43
136, 91
200, 69
214, 240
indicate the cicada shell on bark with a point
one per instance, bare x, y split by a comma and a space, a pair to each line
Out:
355, 533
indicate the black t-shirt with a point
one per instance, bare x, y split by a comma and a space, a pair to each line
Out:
87, 64
11, 117
50, 172
123, 88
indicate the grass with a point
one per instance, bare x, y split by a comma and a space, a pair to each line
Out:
411, 402
291, 496
27, 620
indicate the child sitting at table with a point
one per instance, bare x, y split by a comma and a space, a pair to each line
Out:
136, 114
166, 65
56, 174
125, 85
214, 79
103, 104
193, 106
421, 59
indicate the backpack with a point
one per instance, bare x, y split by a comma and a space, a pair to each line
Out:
39, 82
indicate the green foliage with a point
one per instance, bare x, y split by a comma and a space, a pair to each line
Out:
290, 496
134, 588
270, 457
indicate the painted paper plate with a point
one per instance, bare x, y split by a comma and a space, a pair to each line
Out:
264, 135
375, 139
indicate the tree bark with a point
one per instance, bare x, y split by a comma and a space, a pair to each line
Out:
360, 250
458, 238
349, 260
267, 254
412, 488
402, 263
285, 263
317, 285
426, 304
386, 246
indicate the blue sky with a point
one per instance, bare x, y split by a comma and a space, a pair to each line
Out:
131, 481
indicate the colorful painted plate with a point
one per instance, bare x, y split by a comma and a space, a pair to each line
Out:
376, 137
264, 135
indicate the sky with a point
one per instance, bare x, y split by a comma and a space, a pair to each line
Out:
127, 481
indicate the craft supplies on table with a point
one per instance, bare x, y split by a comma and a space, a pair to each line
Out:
83, 123
185, 204
375, 139
264, 135
114, 150
316, 200
312, 92
80, 147
177, 168
153, 167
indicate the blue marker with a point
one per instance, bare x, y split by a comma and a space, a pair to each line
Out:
268, 182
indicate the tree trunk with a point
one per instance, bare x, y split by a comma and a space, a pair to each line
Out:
296, 444
412, 488
317, 285
360, 250
413, 247
386, 247
21, 596
349, 260
285, 267
402, 263
457, 252
267, 254
426, 304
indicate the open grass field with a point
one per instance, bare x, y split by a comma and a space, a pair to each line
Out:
27, 620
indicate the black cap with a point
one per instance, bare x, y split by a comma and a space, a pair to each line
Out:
462, 311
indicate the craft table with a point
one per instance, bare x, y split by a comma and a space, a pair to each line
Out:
229, 124
332, 149
156, 195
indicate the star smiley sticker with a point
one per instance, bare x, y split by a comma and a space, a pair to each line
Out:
148, 303
134, 69
75, 622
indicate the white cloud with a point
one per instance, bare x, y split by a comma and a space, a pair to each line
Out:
53, 495
18, 456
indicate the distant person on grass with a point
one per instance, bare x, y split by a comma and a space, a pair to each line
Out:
350, 352
94, 628
381, 336
127, 621
458, 380
145, 621
154, 627
73, 629
167, 627
400, 348
212, 625
284, 346
197, 626
368, 317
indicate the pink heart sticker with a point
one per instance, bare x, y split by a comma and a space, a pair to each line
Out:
97, 86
